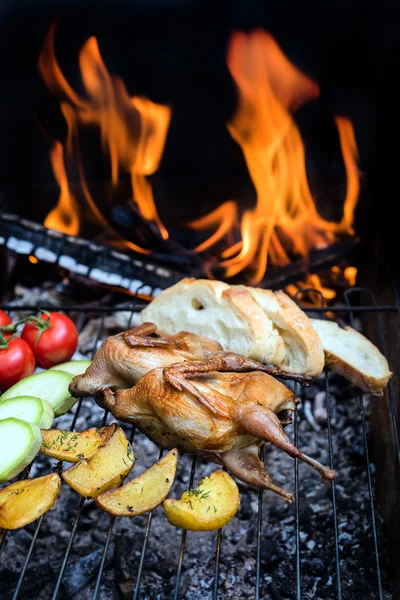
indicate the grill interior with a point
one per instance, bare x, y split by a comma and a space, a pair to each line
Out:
328, 544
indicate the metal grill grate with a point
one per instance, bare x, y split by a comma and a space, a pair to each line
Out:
348, 311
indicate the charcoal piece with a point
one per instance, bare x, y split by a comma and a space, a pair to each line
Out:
79, 573
123, 566
35, 578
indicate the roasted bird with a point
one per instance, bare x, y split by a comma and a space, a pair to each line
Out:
125, 358
186, 393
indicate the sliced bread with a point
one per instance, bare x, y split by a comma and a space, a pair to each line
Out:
303, 348
263, 325
352, 355
211, 309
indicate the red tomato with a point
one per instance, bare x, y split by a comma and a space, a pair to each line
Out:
57, 342
16, 362
4, 319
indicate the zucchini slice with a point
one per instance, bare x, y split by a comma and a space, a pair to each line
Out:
28, 408
20, 442
73, 367
48, 385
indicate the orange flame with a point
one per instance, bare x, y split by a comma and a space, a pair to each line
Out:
64, 217
285, 220
132, 130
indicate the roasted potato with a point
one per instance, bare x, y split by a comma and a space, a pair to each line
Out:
143, 493
72, 446
209, 506
105, 470
25, 501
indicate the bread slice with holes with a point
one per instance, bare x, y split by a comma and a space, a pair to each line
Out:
212, 309
352, 355
303, 348
263, 325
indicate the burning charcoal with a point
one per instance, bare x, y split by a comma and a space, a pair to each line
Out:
79, 573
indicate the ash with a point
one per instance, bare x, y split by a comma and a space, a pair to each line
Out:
239, 539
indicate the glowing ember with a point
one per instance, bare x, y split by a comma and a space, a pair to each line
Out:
337, 279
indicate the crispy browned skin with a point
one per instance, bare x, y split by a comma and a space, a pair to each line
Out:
124, 358
228, 415
188, 393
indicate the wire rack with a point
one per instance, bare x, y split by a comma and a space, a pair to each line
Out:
348, 310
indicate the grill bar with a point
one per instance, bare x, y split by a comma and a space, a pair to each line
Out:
333, 486
144, 547
365, 440
336, 309
110, 530
134, 307
390, 387
68, 548
217, 562
184, 534
103, 558
371, 498
259, 532
297, 509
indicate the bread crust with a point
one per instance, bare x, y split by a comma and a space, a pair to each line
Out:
360, 374
304, 353
207, 308
261, 324
269, 346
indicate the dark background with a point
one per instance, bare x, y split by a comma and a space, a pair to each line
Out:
174, 53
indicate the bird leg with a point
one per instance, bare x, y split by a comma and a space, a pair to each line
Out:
140, 336
263, 423
178, 374
245, 464
231, 363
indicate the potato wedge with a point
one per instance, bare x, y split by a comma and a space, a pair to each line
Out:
143, 493
105, 470
209, 506
71, 446
25, 501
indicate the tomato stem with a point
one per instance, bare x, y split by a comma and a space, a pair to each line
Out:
5, 341
39, 322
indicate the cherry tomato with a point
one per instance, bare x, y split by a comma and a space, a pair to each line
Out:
16, 362
4, 319
58, 338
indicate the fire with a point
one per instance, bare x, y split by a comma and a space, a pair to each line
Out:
284, 222
338, 278
132, 133
64, 217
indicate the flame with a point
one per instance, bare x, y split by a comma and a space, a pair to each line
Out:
350, 274
285, 220
224, 217
132, 131
338, 278
64, 217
